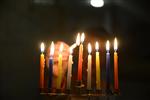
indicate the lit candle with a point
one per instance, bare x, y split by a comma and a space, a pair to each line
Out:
107, 65
74, 45
89, 67
51, 64
98, 74
115, 65
59, 79
69, 74
80, 60
42, 65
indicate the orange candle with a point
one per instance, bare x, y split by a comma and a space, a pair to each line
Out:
115, 65
42, 62
80, 60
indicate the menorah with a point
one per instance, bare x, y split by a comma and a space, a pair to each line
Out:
79, 88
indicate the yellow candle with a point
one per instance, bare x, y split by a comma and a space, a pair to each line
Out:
115, 65
89, 67
98, 74
42, 62
59, 79
69, 74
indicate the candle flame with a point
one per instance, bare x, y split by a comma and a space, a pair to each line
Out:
96, 45
115, 44
71, 50
78, 39
52, 49
61, 47
107, 45
42, 47
73, 46
82, 37
89, 48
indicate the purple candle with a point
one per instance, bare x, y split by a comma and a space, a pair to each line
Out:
107, 65
50, 72
51, 65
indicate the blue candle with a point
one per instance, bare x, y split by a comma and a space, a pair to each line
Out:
107, 66
51, 65
50, 72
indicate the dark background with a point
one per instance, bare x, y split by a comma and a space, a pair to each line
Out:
25, 23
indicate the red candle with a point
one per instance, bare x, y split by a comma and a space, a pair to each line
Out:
80, 60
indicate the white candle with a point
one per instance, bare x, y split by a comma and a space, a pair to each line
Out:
89, 67
107, 65
69, 74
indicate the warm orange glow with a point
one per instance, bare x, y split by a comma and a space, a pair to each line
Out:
89, 48
42, 47
82, 37
78, 39
52, 49
61, 47
70, 50
96, 45
115, 44
107, 45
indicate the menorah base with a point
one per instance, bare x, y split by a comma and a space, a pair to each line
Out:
79, 84
109, 92
116, 91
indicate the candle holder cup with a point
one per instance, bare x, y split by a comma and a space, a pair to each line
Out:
79, 86
116, 91
42, 90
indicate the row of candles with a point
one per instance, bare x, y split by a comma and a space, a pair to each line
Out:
79, 42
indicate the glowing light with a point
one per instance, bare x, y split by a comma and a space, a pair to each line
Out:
97, 3
115, 44
96, 45
42, 47
52, 49
73, 46
70, 50
89, 48
82, 37
107, 45
78, 39
61, 47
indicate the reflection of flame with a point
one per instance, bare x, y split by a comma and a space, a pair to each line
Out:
96, 45
89, 48
42, 47
82, 37
107, 45
115, 44
61, 47
52, 48
70, 50
78, 39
